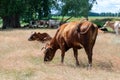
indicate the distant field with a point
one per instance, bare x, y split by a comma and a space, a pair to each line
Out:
96, 19
21, 59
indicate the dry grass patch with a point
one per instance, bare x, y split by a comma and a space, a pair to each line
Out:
21, 59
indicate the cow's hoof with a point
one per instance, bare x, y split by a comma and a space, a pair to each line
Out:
89, 67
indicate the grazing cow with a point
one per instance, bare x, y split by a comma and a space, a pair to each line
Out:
42, 23
53, 23
32, 24
38, 24
114, 25
76, 35
39, 37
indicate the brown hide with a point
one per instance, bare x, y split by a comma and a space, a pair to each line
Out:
76, 35
39, 37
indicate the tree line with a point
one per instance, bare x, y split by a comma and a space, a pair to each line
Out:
14, 11
105, 14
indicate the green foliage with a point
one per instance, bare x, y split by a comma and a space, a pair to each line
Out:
28, 10
76, 7
37, 9
10, 7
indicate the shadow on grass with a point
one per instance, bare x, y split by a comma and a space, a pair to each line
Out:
101, 65
104, 65
111, 32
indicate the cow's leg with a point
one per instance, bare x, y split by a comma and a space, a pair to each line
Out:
62, 57
89, 55
62, 52
116, 30
62, 47
76, 56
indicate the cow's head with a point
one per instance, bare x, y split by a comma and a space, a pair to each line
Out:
106, 24
49, 53
33, 36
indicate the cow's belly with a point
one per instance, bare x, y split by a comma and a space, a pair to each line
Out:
74, 44
73, 41
77, 45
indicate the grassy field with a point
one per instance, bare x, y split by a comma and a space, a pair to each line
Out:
21, 59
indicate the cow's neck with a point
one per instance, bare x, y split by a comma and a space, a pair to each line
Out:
54, 44
111, 25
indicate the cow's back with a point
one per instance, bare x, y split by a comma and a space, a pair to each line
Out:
75, 33
117, 24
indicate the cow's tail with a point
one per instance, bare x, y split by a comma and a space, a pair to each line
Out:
78, 28
94, 31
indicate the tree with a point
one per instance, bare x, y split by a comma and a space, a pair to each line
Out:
10, 11
37, 9
76, 8
32, 10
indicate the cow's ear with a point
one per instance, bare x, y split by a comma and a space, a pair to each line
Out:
46, 46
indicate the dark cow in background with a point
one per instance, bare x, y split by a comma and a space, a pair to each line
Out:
76, 35
32, 24
37, 24
42, 37
42, 23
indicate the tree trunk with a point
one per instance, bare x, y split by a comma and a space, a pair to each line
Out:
68, 19
11, 21
14, 21
5, 22
64, 21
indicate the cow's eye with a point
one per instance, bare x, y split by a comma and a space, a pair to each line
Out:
51, 48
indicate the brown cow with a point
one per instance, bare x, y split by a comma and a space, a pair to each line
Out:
76, 35
39, 37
